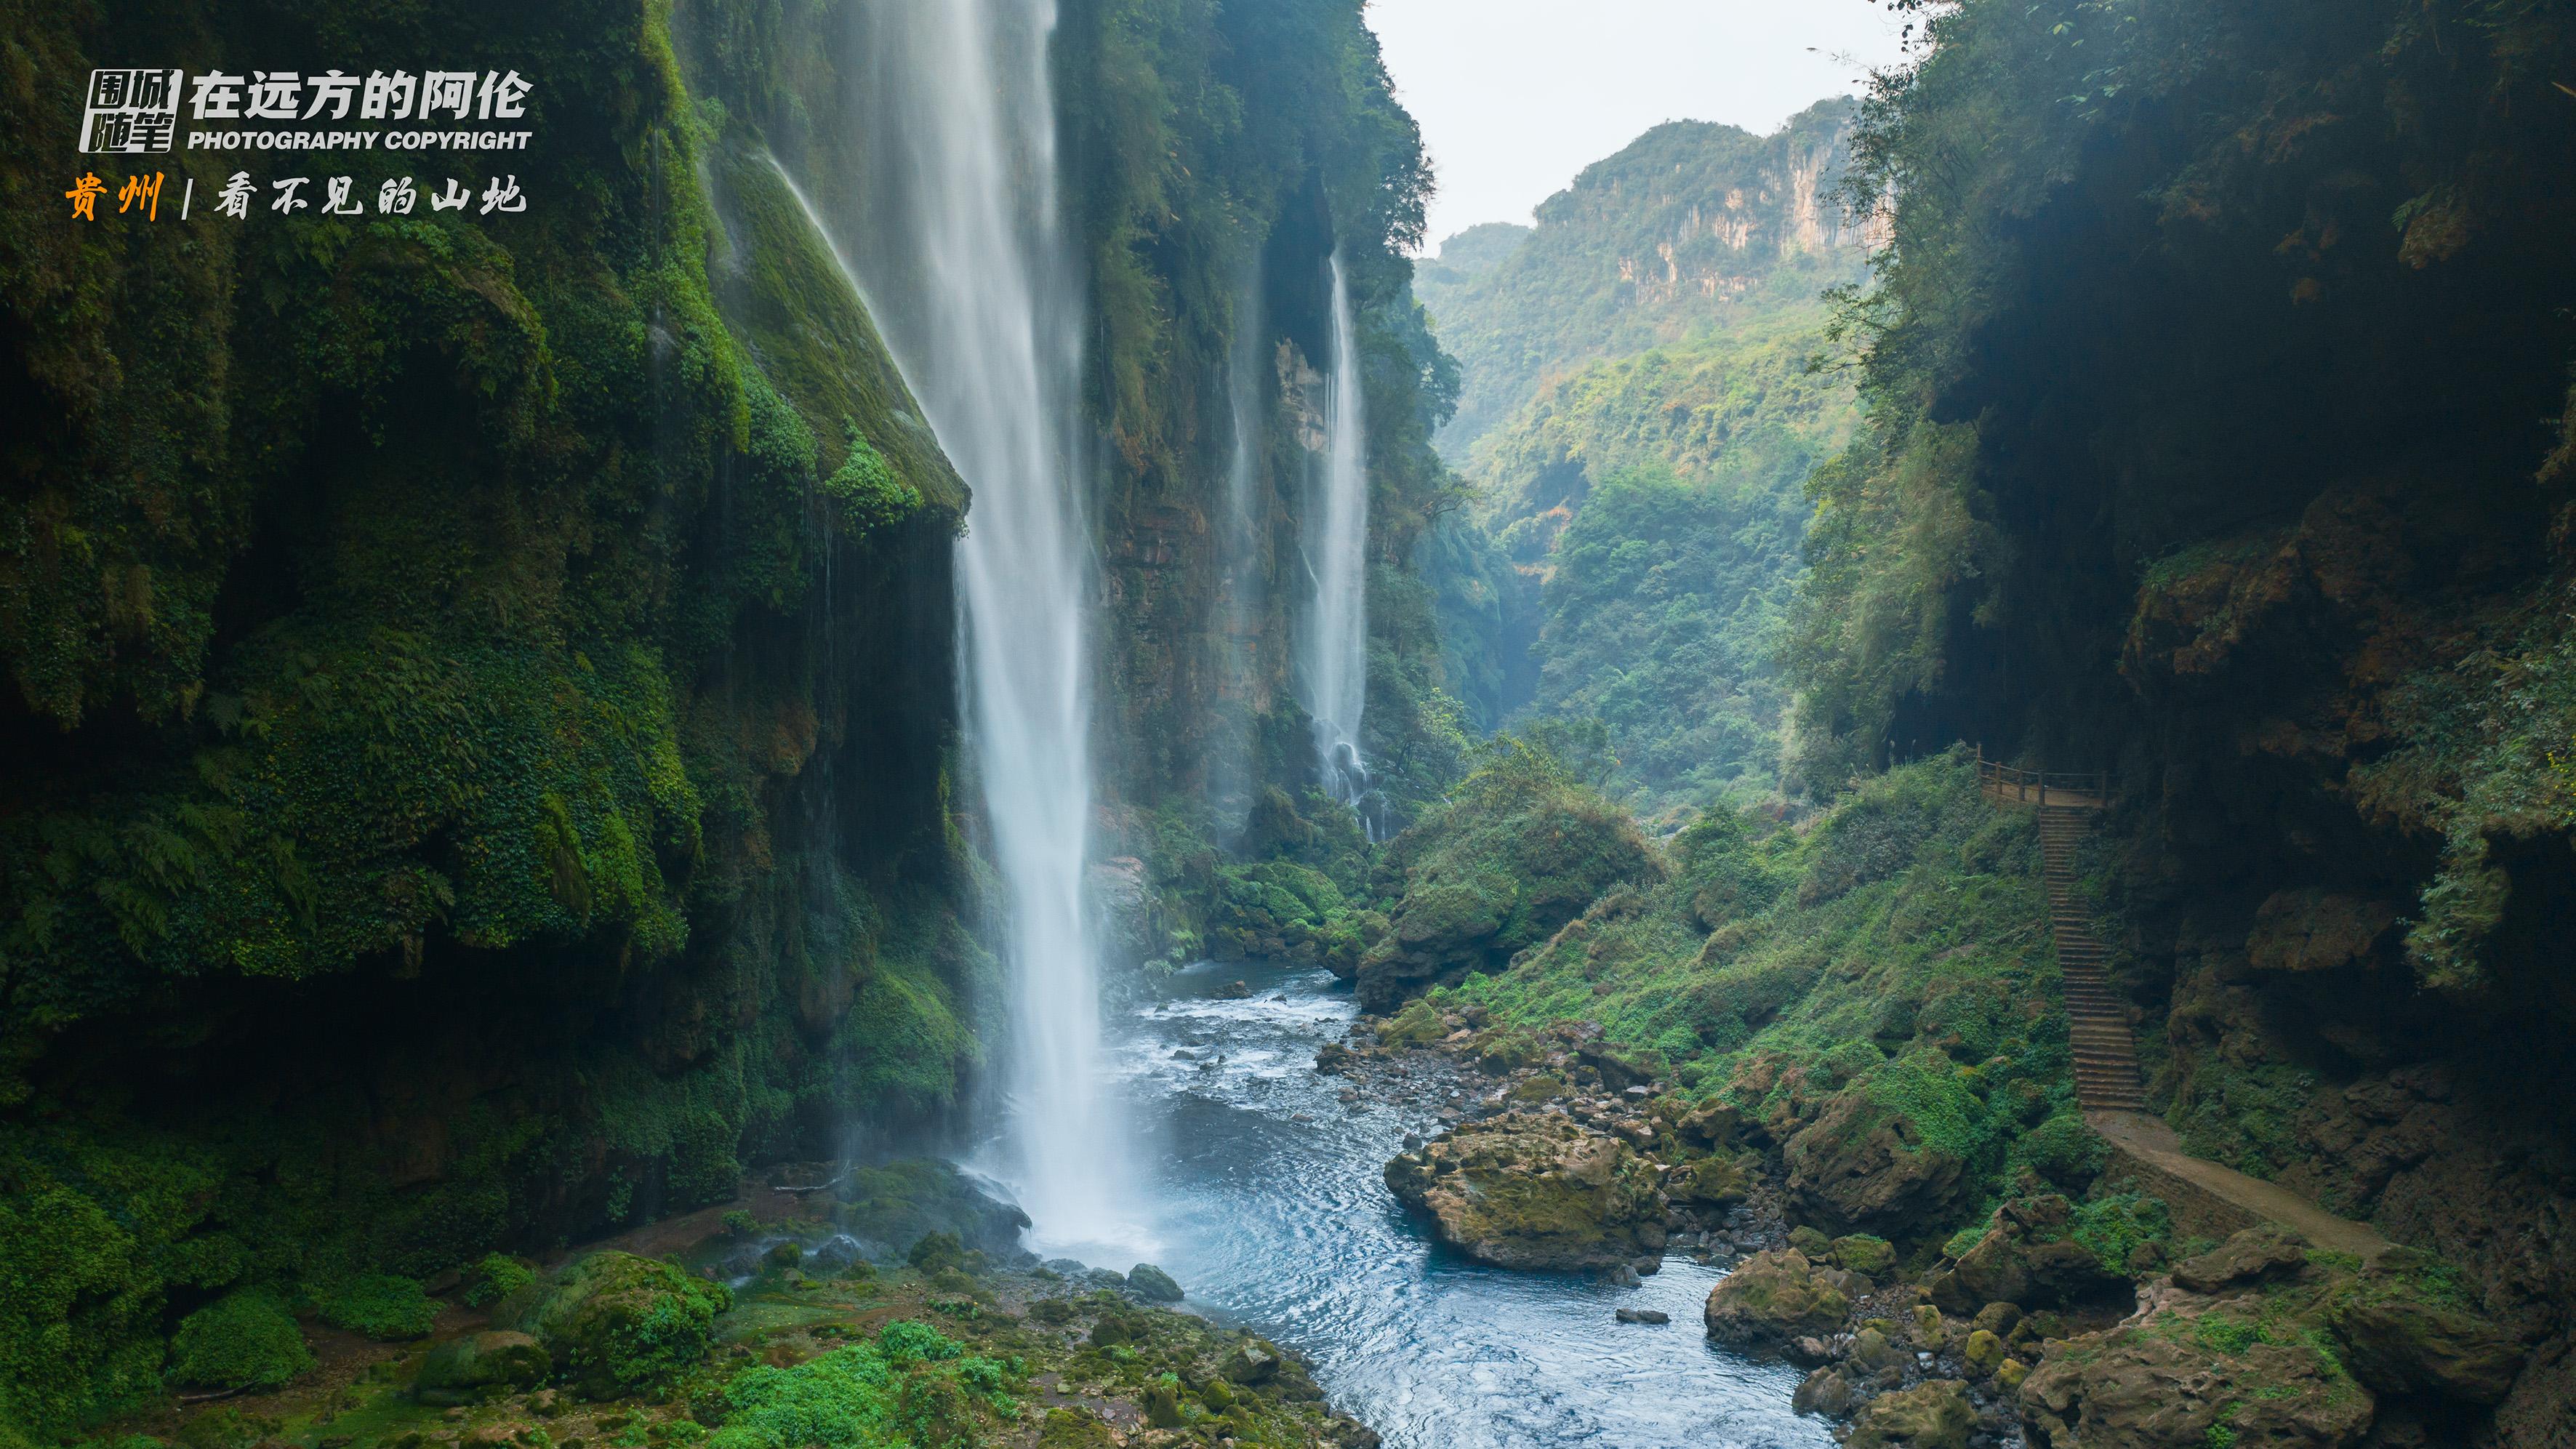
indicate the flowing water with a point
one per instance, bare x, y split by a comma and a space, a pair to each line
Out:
963, 257
1272, 1214
1333, 659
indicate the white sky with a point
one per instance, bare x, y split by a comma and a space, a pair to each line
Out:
1516, 96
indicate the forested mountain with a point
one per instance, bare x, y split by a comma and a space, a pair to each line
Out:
1647, 347
1690, 229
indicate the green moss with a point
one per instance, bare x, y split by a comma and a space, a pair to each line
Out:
379, 1305
243, 1340
495, 1276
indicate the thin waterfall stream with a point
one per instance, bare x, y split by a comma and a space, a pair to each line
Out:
1334, 654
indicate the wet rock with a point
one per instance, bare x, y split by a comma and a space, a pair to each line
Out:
2248, 1257
1933, 1415
1772, 1298
1530, 1190
1333, 1058
2026, 1258
1874, 1350
1828, 1392
1153, 1284
1862, 1165
1642, 1315
1234, 991
479, 1365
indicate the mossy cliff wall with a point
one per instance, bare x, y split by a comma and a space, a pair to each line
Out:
436, 812
2217, 377
477, 759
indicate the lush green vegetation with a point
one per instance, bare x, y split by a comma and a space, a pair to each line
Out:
1884, 966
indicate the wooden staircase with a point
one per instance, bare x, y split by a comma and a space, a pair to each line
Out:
2106, 1056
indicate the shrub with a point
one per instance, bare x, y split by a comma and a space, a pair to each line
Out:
495, 1277
382, 1306
243, 1340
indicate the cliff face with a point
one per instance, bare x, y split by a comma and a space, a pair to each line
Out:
2214, 442
476, 768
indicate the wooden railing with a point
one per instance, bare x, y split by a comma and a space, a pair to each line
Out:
2074, 789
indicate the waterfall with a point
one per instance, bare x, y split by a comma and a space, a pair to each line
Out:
1334, 668
961, 252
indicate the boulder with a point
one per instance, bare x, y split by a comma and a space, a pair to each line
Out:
1709, 1182
1772, 1298
1983, 1352
1534, 1190
1933, 1415
2176, 1381
1153, 1284
1862, 1253
1861, 1166
2247, 1257
615, 1324
1827, 1391
2026, 1259
2405, 1329
1642, 1315
480, 1365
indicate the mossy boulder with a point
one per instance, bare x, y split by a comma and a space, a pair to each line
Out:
614, 1323
1534, 1190
1711, 1181
1983, 1352
243, 1340
1861, 1253
2027, 1258
1932, 1415
2182, 1380
1772, 1298
1865, 1166
2250, 1256
2405, 1328
480, 1365
1153, 1284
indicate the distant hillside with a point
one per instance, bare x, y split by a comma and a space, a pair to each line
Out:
1639, 422
1693, 228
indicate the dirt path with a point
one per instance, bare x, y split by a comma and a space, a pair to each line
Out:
2151, 1141
2106, 1071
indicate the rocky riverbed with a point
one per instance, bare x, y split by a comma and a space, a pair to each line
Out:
2053, 1323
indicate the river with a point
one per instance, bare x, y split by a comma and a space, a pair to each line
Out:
1270, 1210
